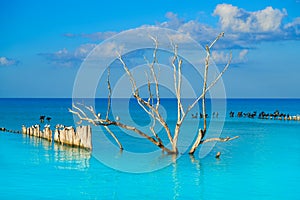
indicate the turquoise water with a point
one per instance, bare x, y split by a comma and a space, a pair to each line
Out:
263, 163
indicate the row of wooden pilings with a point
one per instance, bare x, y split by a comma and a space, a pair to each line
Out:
81, 137
262, 115
8, 130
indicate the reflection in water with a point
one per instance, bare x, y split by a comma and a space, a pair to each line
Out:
65, 157
196, 163
71, 157
175, 181
187, 177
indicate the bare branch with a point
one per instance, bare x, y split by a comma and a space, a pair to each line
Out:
179, 87
217, 38
109, 93
174, 66
100, 122
220, 75
134, 129
151, 66
114, 136
150, 98
204, 90
81, 112
97, 121
144, 103
91, 109
133, 83
197, 142
201, 132
151, 113
218, 139
82, 118
210, 86
159, 118
177, 75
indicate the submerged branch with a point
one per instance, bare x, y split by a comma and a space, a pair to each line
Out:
114, 137
218, 139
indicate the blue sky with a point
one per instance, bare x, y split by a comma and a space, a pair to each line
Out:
43, 42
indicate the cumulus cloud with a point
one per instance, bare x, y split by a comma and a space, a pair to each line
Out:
4, 61
243, 29
239, 20
222, 57
67, 58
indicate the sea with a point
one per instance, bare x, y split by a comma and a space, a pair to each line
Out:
263, 163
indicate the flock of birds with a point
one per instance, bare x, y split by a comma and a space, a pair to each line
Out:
42, 118
214, 115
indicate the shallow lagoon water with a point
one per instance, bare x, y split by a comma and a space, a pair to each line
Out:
262, 164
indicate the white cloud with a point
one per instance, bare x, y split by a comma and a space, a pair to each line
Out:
243, 31
237, 19
111, 48
293, 27
67, 58
242, 54
4, 61
84, 50
174, 22
222, 57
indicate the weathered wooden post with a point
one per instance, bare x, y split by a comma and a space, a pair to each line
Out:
70, 133
30, 130
56, 135
81, 137
24, 130
36, 130
47, 133
85, 134
62, 136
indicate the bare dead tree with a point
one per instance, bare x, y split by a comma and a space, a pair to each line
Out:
151, 106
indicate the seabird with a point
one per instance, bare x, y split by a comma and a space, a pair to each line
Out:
48, 119
42, 118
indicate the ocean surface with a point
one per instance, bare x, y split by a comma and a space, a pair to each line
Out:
263, 163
